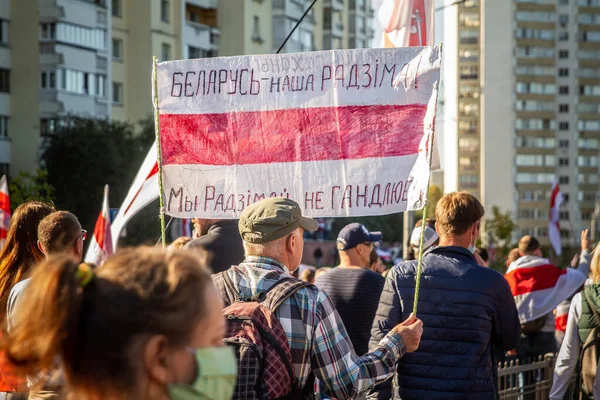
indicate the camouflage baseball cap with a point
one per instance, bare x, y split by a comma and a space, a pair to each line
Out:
271, 219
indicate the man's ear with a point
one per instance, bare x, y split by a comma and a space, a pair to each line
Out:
40, 247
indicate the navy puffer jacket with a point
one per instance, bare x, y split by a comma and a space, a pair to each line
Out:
466, 309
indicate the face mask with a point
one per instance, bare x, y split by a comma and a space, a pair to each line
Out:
217, 371
472, 247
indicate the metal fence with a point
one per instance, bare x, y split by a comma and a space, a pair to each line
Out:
531, 380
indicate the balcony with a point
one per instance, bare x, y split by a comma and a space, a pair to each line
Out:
203, 3
52, 59
337, 5
51, 11
49, 103
200, 35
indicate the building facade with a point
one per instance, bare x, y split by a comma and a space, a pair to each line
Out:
522, 98
93, 58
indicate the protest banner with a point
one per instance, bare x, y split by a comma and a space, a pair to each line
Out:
343, 133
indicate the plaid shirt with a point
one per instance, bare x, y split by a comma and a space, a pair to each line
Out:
317, 336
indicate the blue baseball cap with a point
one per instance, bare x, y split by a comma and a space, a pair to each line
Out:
354, 234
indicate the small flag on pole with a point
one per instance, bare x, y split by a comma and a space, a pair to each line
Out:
556, 199
143, 191
4, 210
101, 246
407, 23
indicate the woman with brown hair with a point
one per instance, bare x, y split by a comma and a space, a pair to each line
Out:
19, 254
147, 325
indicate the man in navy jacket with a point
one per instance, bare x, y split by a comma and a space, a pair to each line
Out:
466, 309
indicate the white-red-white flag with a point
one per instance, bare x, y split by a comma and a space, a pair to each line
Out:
556, 199
4, 210
143, 191
349, 135
101, 245
406, 23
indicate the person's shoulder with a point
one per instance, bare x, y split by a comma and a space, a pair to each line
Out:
372, 275
19, 287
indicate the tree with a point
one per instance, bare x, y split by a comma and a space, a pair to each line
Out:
498, 230
27, 186
434, 194
85, 154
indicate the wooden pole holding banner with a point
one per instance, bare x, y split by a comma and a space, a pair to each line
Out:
158, 151
422, 239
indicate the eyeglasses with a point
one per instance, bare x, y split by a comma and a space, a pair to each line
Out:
83, 235
370, 244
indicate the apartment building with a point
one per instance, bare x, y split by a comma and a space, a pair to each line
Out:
93, 58
522, 93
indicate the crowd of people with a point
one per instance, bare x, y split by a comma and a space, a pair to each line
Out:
223, 315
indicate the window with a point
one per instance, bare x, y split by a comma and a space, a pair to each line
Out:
468, 55
586, 215
534, 160
588, 197
4, 126
534, 105
48, 80
563, 126
536, 16
535, 70
4, 80
527, 177
467, 37
563, 54
535, 88
563, 180
164, 10
563, 36
117, 49
527, 33
166, 51
117, 93
563, 72
563, 19
563, 215
48, 31
116, 8
469, 72
469, 181
3, 31
256, 30
565, 233
566, 197
94, 38
535, 52
563, 90
563, 108
590, 125
563, 143
587, 161
589, 90
588, 143
535, 124
536, 142
563, 162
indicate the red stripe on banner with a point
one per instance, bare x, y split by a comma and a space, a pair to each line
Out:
292, 135
3, 233
527, 280
4, 202
560, 322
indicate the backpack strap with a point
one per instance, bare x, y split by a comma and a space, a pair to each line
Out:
594, 311
225, 287
281, 291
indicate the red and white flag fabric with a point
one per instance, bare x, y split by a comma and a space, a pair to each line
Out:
539, 287
406, 23
181, 227
101, 245
143, 191
5, 213
343, 133
556, 199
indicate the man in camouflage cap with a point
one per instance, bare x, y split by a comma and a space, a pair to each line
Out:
272, 232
